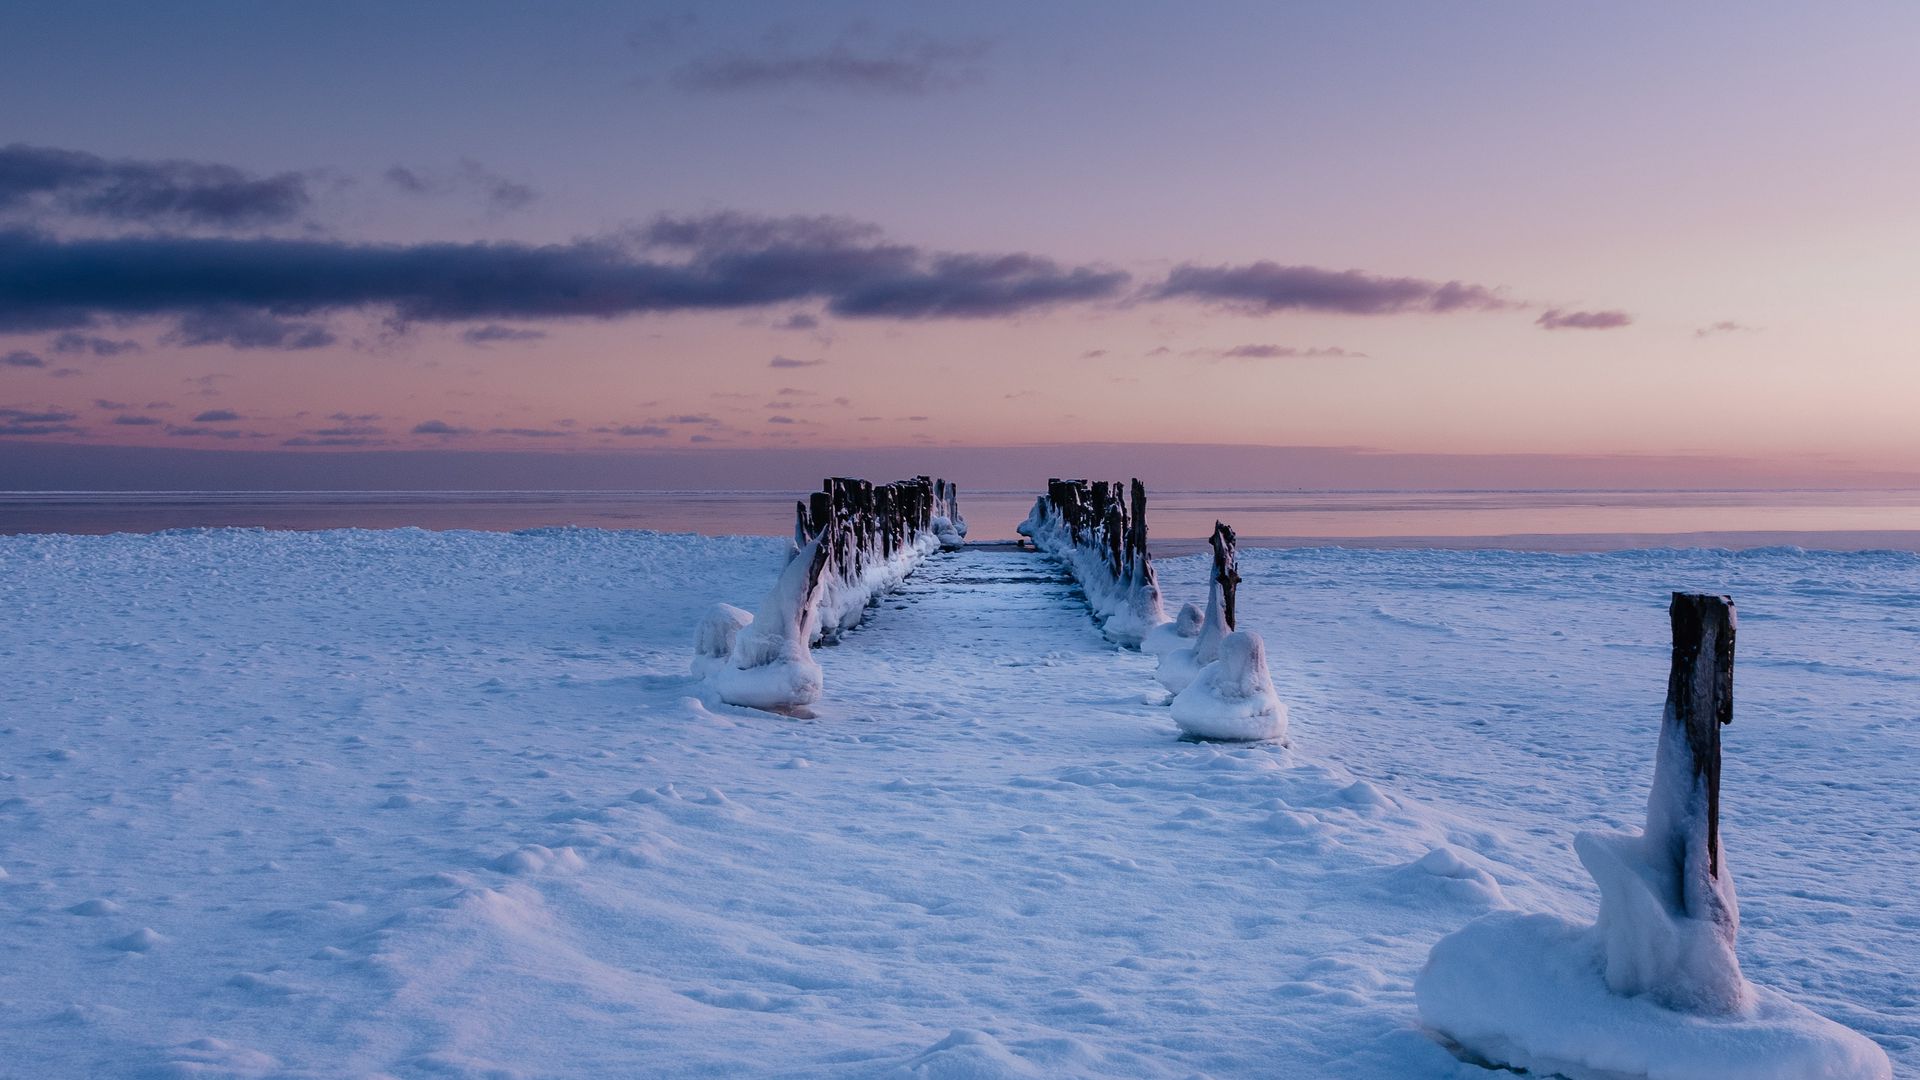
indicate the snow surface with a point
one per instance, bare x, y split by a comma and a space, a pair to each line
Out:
410, 804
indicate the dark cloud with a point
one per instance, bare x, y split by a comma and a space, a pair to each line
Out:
799, 320
1093, 354
197, 432
22, 358
781, 420
110, 406
128, 420
649, 431
1265, 287
332, 440
716, 263
353, 418
1279, 352
1557, 319
347, 431
74, 342
494, 332
439, 427
526, 433
1722, 327
700, 438
244, 328
218, 416
790, 362
79, 184
30, 422
902, 66
690, 418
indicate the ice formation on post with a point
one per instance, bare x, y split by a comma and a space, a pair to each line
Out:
852, 540
771, 666
875, 535
948, 526
1178, 667
1654, 988
713, 639
1178, 634
1232, 698
1098, 532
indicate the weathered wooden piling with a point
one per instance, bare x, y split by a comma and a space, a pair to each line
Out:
1699, 702
1226, 568
1098, 530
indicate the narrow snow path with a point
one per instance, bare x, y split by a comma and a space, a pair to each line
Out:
986, 857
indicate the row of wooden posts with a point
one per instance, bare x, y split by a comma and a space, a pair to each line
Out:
1110, 520
862, 525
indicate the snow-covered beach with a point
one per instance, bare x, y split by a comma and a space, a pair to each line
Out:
412, 804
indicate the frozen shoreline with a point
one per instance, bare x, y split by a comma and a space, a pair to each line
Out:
426, 804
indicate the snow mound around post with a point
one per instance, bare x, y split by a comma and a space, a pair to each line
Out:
1178, 667
1177, 634
771, 666
1528, 991
1653, 989
713, 639
1232, 698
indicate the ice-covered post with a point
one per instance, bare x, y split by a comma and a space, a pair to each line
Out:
1699, 701
1226, 568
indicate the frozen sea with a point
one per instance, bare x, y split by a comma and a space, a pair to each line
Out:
409, 803
1517, 520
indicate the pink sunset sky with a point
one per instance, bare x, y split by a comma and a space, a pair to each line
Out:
1632, 245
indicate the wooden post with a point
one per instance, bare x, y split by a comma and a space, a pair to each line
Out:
1700, 694
1138, 536
1226, 568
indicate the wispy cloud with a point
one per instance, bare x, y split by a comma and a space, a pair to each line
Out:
494, 333
439, 427
30, 422
1560, 319
245, 328
859, 62
500, 194
790, 362
1724, 327
1279, 352
73, 342
1266, 287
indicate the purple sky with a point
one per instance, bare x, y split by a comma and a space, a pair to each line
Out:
1396, 244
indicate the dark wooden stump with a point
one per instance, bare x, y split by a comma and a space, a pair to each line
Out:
1226, 568
1700, 693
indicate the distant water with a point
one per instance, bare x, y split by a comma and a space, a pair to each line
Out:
1537, 520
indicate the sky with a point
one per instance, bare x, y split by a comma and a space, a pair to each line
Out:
1622, 244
